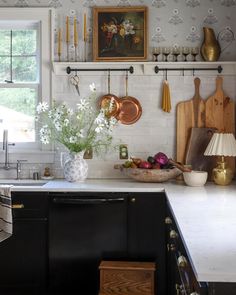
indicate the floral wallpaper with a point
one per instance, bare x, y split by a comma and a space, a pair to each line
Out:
171, 22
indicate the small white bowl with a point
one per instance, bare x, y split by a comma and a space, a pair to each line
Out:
195, 178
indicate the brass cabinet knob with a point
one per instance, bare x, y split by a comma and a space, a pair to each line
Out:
168, 220
171, 247
182, 261
133, 200
173, 234
18, 206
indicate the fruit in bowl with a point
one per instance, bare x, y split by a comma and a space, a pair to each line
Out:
155, 168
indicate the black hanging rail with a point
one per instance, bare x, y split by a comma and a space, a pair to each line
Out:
219, 69
130, 69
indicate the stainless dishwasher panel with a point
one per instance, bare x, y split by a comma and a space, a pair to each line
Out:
84, 228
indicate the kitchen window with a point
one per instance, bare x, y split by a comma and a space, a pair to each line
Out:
19, 77
24, 72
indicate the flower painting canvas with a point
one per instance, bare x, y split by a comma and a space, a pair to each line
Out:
120, 33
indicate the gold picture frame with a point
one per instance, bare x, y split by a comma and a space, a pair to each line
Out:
120, 33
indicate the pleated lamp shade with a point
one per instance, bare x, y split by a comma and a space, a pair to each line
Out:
221, 144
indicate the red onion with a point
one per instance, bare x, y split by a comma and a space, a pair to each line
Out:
161, 158
145, 165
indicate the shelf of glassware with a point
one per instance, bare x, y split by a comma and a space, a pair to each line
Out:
148, 68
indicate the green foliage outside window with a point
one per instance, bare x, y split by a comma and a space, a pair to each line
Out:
24, 63
22, 100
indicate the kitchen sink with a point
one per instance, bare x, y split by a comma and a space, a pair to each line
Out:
23, 182
27, 184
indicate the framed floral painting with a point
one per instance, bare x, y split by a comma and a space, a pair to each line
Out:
120, 33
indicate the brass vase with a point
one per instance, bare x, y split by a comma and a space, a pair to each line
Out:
210, 49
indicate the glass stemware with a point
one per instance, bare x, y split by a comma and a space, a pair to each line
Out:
185, 52
195, 52
166, 51
156, 52
176, 52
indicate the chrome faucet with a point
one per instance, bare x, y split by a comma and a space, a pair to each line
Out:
7, 165
5, 147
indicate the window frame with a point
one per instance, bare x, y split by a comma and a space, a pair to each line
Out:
43, 16
23, 25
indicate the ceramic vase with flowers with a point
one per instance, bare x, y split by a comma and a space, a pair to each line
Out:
84, 128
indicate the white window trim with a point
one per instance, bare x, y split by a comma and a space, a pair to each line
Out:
43, 15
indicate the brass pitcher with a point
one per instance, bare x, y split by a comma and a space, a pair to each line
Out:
210, 49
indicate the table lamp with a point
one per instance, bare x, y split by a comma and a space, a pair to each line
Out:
224, 145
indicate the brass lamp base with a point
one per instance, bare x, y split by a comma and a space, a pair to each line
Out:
222, 175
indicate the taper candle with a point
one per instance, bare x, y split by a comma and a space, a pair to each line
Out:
75, 32
85, 28
67, 30
59, 44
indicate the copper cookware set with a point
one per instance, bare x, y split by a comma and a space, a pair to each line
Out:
126, 109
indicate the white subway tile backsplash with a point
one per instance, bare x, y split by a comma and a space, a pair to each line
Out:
156, 130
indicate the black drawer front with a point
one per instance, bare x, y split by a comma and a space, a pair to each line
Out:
29, 204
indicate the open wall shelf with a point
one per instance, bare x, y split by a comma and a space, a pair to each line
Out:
148, 68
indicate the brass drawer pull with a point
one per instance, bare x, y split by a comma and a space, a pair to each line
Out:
168, 220
173, 234
18, 206
182, 261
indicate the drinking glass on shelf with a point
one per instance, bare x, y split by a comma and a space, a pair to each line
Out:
166, 51
156, 52
185, 52
176, 52
194, 52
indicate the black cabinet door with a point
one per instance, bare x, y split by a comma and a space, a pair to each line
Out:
146, 232
84, 228
23, 256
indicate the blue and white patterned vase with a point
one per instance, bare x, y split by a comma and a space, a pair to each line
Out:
74, 166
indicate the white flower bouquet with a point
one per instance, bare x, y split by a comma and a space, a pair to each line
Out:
84, 128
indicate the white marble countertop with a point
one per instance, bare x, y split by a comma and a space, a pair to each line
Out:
206, 217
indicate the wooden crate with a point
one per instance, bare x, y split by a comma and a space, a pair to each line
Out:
126, 278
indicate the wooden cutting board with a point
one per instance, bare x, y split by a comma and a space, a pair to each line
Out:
220, 114
198, 141
190, 114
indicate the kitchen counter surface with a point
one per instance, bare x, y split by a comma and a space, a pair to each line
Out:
206, 217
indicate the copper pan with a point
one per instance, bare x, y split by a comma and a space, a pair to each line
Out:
130, 108
105, 101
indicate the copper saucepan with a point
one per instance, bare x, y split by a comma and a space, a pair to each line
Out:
105, 101
130, 108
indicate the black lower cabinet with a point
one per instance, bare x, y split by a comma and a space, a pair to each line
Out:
60, 239
146, 232
23, 256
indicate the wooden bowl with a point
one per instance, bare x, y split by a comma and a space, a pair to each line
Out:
151, 175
